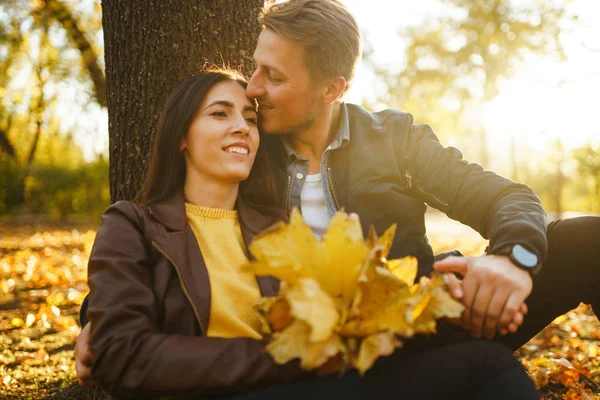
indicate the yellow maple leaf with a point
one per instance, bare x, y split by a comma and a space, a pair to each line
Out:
442, 304
385, 241
342, 255
378, 287
276, 314
404, 268
418, 305
430, 301
287, 252
425, 323
374, 346
309, 303
340, 298
290, 252
294, 342
390, 318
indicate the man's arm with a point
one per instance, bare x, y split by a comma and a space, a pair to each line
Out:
504, 211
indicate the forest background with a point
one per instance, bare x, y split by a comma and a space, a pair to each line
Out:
514, 84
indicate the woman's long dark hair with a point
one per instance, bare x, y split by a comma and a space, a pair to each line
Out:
166, 172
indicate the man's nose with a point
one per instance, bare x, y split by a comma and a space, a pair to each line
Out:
254, 88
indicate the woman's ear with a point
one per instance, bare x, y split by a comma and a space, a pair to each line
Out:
182, 144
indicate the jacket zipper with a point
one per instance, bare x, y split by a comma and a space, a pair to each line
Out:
287, 193
330, 181
187, 295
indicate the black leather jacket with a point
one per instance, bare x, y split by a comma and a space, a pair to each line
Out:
391, 169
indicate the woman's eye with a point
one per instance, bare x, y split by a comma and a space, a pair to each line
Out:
219, 114
252, 120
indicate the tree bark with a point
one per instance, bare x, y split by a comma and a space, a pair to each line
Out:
150, 46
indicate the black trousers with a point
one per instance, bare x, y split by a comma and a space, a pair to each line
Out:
470, 369
451, 365
570, 275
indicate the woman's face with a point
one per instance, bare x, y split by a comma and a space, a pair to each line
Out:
222, 140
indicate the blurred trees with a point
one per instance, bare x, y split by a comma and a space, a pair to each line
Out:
454, 63
588, 166
565, 180
78, 38
47, 49
453, 66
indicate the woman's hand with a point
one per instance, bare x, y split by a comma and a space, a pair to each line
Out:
84, 358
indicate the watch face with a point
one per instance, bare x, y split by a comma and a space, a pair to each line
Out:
524, 256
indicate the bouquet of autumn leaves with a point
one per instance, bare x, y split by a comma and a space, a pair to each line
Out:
341, 297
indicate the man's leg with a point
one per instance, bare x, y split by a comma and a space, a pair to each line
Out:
471, 369
570, 275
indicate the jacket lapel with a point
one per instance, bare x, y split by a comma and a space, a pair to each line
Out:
178, 244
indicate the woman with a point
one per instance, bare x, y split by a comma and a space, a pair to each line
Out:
172, 313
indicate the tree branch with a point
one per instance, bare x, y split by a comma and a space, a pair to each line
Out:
64, 15
5, 144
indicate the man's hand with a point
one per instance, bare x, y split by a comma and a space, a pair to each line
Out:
493, 292
456, 290
83, 357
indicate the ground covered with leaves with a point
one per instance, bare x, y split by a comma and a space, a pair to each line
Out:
43, 281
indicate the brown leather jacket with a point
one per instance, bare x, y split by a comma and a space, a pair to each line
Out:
149, 306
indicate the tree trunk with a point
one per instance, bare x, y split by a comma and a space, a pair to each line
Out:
149, 48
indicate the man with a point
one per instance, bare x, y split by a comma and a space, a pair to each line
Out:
330, 155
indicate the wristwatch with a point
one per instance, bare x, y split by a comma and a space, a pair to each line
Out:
522, 257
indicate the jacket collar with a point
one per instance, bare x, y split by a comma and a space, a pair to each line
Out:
171, 213
180, 245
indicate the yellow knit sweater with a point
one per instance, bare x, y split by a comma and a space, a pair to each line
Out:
234, 293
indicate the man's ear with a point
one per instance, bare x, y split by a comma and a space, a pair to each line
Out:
334, 87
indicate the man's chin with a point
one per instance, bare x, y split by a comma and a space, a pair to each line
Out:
270, 130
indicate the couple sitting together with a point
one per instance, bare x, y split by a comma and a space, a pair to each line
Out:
171, 313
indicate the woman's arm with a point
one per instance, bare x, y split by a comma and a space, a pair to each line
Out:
132, 357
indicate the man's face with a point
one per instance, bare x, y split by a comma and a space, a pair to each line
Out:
288, 99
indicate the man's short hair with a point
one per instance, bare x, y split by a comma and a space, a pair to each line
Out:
328, 31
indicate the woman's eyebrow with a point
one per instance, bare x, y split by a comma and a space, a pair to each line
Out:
221, 103
230, 105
